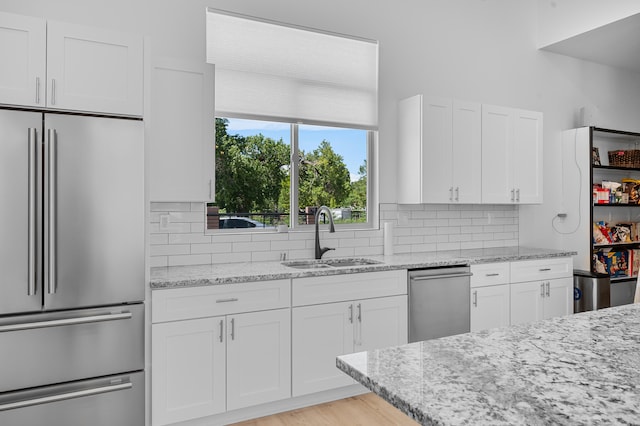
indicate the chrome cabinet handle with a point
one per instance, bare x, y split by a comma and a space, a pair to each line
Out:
359, 312
351, 314
492, 275
518, 195
233, 329
231, 299
542, 289
65, 321
64, 396
52, 200
221, 329
475, 298
548, 289
33, 220
513, 197
53, 91
544, 269
457, 193
37, 90
451, 193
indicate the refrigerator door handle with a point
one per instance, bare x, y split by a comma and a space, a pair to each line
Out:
33, 220
51, 214
65, 321
66, 395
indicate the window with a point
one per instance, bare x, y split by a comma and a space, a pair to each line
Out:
255, 177
297, 112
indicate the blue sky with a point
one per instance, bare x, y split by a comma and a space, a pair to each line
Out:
351, 144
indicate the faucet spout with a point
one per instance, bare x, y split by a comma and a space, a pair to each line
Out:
322, 250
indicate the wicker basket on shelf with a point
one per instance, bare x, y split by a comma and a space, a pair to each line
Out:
625, 158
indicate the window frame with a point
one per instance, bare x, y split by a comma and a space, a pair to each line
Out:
372, 169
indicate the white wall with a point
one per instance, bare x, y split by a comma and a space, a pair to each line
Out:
562, 19
480, 50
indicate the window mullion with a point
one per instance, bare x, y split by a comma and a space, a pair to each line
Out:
293, 184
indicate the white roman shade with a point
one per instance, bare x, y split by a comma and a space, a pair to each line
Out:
290, 73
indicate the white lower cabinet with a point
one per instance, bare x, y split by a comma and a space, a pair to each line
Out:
188, 374
258, 358
509, 293
538, 300
322, 332
208, 366
490, 307
219, 348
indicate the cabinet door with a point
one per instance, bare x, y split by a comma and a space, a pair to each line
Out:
90, 69
526, 302
381, 323
320, 333
188, 370
490, 307
527, 157
559, 298
409, 173
23, 44
258, 358
497, 136
181, 128
437, 152
467, 151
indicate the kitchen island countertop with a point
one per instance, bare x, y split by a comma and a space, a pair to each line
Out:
581, 369
165, 277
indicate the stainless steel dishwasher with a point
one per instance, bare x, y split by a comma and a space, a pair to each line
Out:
438, 302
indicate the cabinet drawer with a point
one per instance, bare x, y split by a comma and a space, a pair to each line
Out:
541, 269
489, 274
200, 302
337, 288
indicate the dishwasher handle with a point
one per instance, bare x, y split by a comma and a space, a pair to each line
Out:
438, 277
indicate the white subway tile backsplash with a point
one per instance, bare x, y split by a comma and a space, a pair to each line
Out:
169, 249
417, 228
211, 248
192, 238
192, 259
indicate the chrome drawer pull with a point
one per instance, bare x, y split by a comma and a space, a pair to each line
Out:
64, 396
65, 321
544, 269
231, 299
492, 275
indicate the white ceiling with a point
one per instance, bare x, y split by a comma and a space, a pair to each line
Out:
616, 44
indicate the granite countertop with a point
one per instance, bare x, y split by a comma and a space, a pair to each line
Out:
580, 369
200, 275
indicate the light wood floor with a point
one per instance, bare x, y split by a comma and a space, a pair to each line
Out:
366, 410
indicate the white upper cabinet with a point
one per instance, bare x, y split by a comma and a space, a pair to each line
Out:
511, 156
70, 67
181, 126
23, 47
467, 150
90, 69
438, 151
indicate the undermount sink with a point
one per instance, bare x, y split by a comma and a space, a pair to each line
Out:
329, 263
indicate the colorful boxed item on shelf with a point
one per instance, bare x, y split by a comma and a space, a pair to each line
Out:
601, 233
599, 263
634, 262
632, 188
618, 263
600, 195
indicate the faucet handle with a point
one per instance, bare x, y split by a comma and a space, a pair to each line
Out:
323, 250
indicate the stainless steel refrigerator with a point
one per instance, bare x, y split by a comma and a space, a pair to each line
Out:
71, 270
